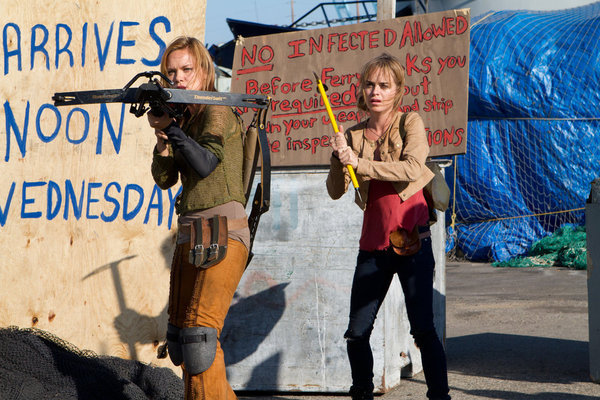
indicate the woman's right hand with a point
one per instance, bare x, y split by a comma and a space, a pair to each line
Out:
159, 123
338, 141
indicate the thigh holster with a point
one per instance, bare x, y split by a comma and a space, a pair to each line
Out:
208, 241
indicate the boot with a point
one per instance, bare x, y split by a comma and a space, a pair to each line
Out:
358, 393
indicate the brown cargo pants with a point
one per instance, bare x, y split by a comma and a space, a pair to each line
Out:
201, 297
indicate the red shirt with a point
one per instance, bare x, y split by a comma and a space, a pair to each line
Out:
386, 213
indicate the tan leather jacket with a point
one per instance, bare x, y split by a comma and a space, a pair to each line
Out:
402, 161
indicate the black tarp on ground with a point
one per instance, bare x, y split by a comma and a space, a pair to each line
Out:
34, 364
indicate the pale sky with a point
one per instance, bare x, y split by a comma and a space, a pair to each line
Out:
276, 12
279, 12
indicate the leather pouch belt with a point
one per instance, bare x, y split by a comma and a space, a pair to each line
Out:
405, 243
208, 238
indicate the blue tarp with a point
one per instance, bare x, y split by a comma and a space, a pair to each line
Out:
533, 133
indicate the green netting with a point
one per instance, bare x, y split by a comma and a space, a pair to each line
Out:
565, 248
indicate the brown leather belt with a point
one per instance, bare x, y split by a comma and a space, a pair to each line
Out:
232, 225
424, 232
424, 235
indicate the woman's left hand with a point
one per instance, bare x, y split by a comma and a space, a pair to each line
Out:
348, 157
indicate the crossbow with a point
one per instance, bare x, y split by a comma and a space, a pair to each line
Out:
152, 96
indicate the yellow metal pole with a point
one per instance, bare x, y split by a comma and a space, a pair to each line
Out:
335, 128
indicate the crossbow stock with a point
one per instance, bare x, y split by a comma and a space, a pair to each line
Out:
152, 96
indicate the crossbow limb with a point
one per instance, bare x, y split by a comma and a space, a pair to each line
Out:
153, 96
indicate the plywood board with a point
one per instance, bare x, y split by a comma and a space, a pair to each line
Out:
86, 237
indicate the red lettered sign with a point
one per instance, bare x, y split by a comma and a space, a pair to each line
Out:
434, 49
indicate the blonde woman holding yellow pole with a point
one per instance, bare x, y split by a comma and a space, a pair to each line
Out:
387, 152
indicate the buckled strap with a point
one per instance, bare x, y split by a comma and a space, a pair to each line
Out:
208, 238
199, 241
214, 240
185, 339
197, 232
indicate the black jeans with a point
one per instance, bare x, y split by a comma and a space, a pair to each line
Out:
372, 278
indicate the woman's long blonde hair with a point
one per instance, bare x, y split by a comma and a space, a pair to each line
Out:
387, 63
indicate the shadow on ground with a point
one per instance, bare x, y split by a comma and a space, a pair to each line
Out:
517, 360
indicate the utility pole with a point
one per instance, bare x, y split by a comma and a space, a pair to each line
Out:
386, 9
292, 9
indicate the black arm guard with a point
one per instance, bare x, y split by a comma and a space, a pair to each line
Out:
202, 160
